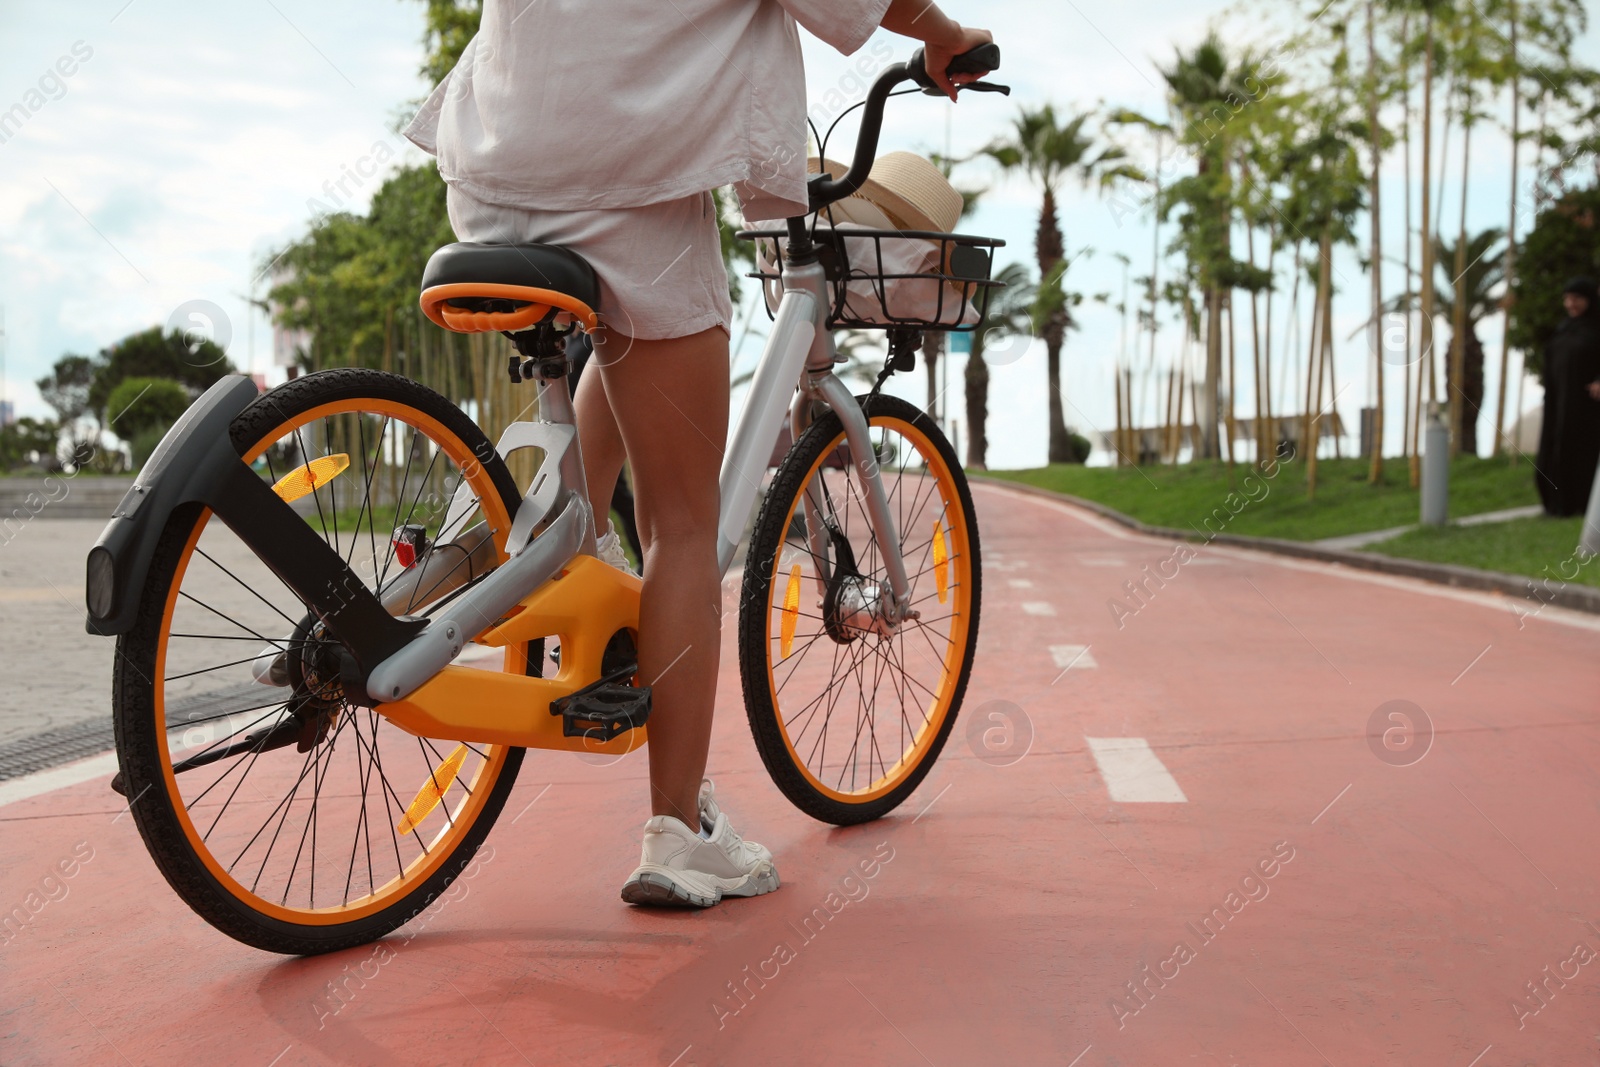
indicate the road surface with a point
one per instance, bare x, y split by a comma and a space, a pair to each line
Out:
1265, 812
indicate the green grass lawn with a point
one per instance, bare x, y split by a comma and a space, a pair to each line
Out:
1185, 496
1522, 546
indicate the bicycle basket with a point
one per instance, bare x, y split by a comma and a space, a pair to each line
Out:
882, 279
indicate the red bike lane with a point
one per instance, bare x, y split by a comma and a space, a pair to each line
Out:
1160, 833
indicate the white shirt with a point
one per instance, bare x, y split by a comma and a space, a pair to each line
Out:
586, 104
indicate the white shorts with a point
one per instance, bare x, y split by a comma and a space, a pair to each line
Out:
660, 266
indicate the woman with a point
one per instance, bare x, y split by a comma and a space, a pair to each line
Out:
603, 127
1569, 437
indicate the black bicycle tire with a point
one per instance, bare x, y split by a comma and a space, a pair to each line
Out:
766, 540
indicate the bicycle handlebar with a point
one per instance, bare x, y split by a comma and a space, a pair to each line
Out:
823, 190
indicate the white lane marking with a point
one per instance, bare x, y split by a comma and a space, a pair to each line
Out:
1037, 607
57, 778
1019, 583
1101, 561
1132, 772
1073, 657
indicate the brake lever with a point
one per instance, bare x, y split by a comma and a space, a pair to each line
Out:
981, 87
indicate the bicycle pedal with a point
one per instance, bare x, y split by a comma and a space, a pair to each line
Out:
603, 711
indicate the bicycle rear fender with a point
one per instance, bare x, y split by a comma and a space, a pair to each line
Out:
196, 464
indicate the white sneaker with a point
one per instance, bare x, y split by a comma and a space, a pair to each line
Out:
680, 868
608, 547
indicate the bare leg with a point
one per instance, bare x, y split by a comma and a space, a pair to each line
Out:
671, 402
600, 442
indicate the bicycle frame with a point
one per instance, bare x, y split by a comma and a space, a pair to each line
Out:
550, 586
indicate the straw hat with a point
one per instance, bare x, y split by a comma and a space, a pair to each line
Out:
908, 190
913, 193
855, 208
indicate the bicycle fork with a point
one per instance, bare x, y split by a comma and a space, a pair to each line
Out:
801, 349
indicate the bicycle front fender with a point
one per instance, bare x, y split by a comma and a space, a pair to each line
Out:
196, 464
185, 467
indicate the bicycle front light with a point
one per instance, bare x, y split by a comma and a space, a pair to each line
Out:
101, 589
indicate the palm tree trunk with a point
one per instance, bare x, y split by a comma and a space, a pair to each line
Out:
977, 390
1133, 427
1321, 349
1333, 380
1210, 402
1272, 435
1290, 328
932, 350
1155, 271
1375, 471
1463, 422
1117, 441
1407, 442
1426, 325
1255, 351
1232, 381
1312, 350
1511, 241
1166, 419
1048, 250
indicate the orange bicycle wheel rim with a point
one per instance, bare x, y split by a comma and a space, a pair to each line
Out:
466, 813
954, 518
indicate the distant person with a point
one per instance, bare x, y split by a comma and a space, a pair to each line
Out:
1569, 438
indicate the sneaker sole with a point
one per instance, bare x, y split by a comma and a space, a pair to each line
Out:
659, 889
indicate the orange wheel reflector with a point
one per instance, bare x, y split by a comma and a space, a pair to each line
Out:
302, 480
941, 560
433, 790
791, 609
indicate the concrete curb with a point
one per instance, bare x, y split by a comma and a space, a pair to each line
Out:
1565, 595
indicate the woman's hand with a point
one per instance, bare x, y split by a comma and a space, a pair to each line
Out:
938, 54
942, 37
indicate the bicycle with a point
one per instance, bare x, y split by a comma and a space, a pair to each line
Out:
290, 622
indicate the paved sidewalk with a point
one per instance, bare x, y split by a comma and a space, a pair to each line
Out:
1372, 537
53, 675
1165, 832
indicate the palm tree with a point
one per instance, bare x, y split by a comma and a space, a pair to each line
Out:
1430, 9
1047, 149
1474, 289
1009, 314
1375, 135
1203, 87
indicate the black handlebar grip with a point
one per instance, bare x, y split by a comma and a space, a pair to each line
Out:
979, 60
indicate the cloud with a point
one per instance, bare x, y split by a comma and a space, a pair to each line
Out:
194, 136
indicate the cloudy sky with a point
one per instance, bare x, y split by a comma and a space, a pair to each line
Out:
185, 143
